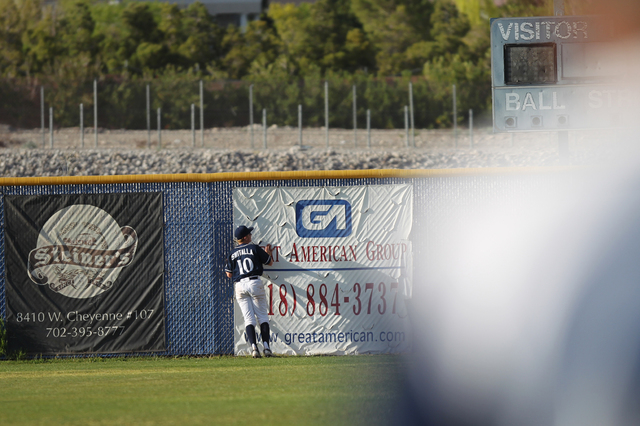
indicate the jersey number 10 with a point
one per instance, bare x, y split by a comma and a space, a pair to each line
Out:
245, 265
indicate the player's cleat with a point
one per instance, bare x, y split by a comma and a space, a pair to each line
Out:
267, 353
256, 353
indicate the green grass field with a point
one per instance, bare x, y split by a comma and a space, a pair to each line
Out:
348, 390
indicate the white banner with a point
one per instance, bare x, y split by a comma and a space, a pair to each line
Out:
342, 267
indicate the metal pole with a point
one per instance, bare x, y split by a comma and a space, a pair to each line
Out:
159, 128
95, 112
82, 125
563, 136
299, 124
406, 126
42, 113
563, 146
455, 118
251, 112
413, 127
201, 114
148, 117
193, 125
355, 118
51, 127
558, 7
369, 128
471, 128
326, 113
264, 128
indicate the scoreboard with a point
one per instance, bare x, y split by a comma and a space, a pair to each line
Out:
557, 73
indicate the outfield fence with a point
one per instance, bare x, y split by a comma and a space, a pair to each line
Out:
198, 225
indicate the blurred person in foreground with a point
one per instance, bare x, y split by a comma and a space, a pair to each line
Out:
529, 309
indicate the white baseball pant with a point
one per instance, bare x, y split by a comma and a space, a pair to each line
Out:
252, 299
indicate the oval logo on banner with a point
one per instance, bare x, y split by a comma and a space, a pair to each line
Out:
81, 251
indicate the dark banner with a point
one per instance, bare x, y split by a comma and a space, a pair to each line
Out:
85, 273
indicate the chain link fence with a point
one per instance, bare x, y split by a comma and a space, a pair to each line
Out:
198, 226
188, 103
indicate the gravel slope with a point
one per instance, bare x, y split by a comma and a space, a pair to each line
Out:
435, 149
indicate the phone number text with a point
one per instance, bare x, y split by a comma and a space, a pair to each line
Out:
319, 301
63, 332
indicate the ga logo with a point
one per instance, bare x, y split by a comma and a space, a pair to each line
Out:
323, 218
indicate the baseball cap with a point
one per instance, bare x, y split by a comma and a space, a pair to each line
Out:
242, 231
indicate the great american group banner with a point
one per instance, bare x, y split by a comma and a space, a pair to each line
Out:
85, 273
341, 274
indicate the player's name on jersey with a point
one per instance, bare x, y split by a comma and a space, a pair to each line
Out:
241, 252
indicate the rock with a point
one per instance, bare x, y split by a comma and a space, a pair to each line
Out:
179, 157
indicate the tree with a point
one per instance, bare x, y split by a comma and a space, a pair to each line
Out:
202, 42
259, 43
77, 31
394, 26
40, 44
325, 35
142, 46
11, 29
448, 28
336, 41
515, 8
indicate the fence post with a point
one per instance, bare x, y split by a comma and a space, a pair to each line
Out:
201, 114
326, 112
455, 118
264, 128
251, 112
300, 124
159, 128
355, 118
82, 125
369, 128
42, 114
51, 127
563, 136
413, 131
95, 112
148, 118
406, 126
193, 125
471, 128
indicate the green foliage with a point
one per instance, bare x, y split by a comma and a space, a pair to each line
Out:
20, 102
3, 339
324, 36
473, 87
478, 11
288, 53
122, 101
394, 26
201, 42
514, 8
4, 351
258, 44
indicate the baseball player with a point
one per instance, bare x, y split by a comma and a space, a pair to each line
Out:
244, 266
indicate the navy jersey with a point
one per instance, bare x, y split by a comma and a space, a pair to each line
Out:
246, 260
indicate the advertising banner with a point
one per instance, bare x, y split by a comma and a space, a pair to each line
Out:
85, 273
342, 267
